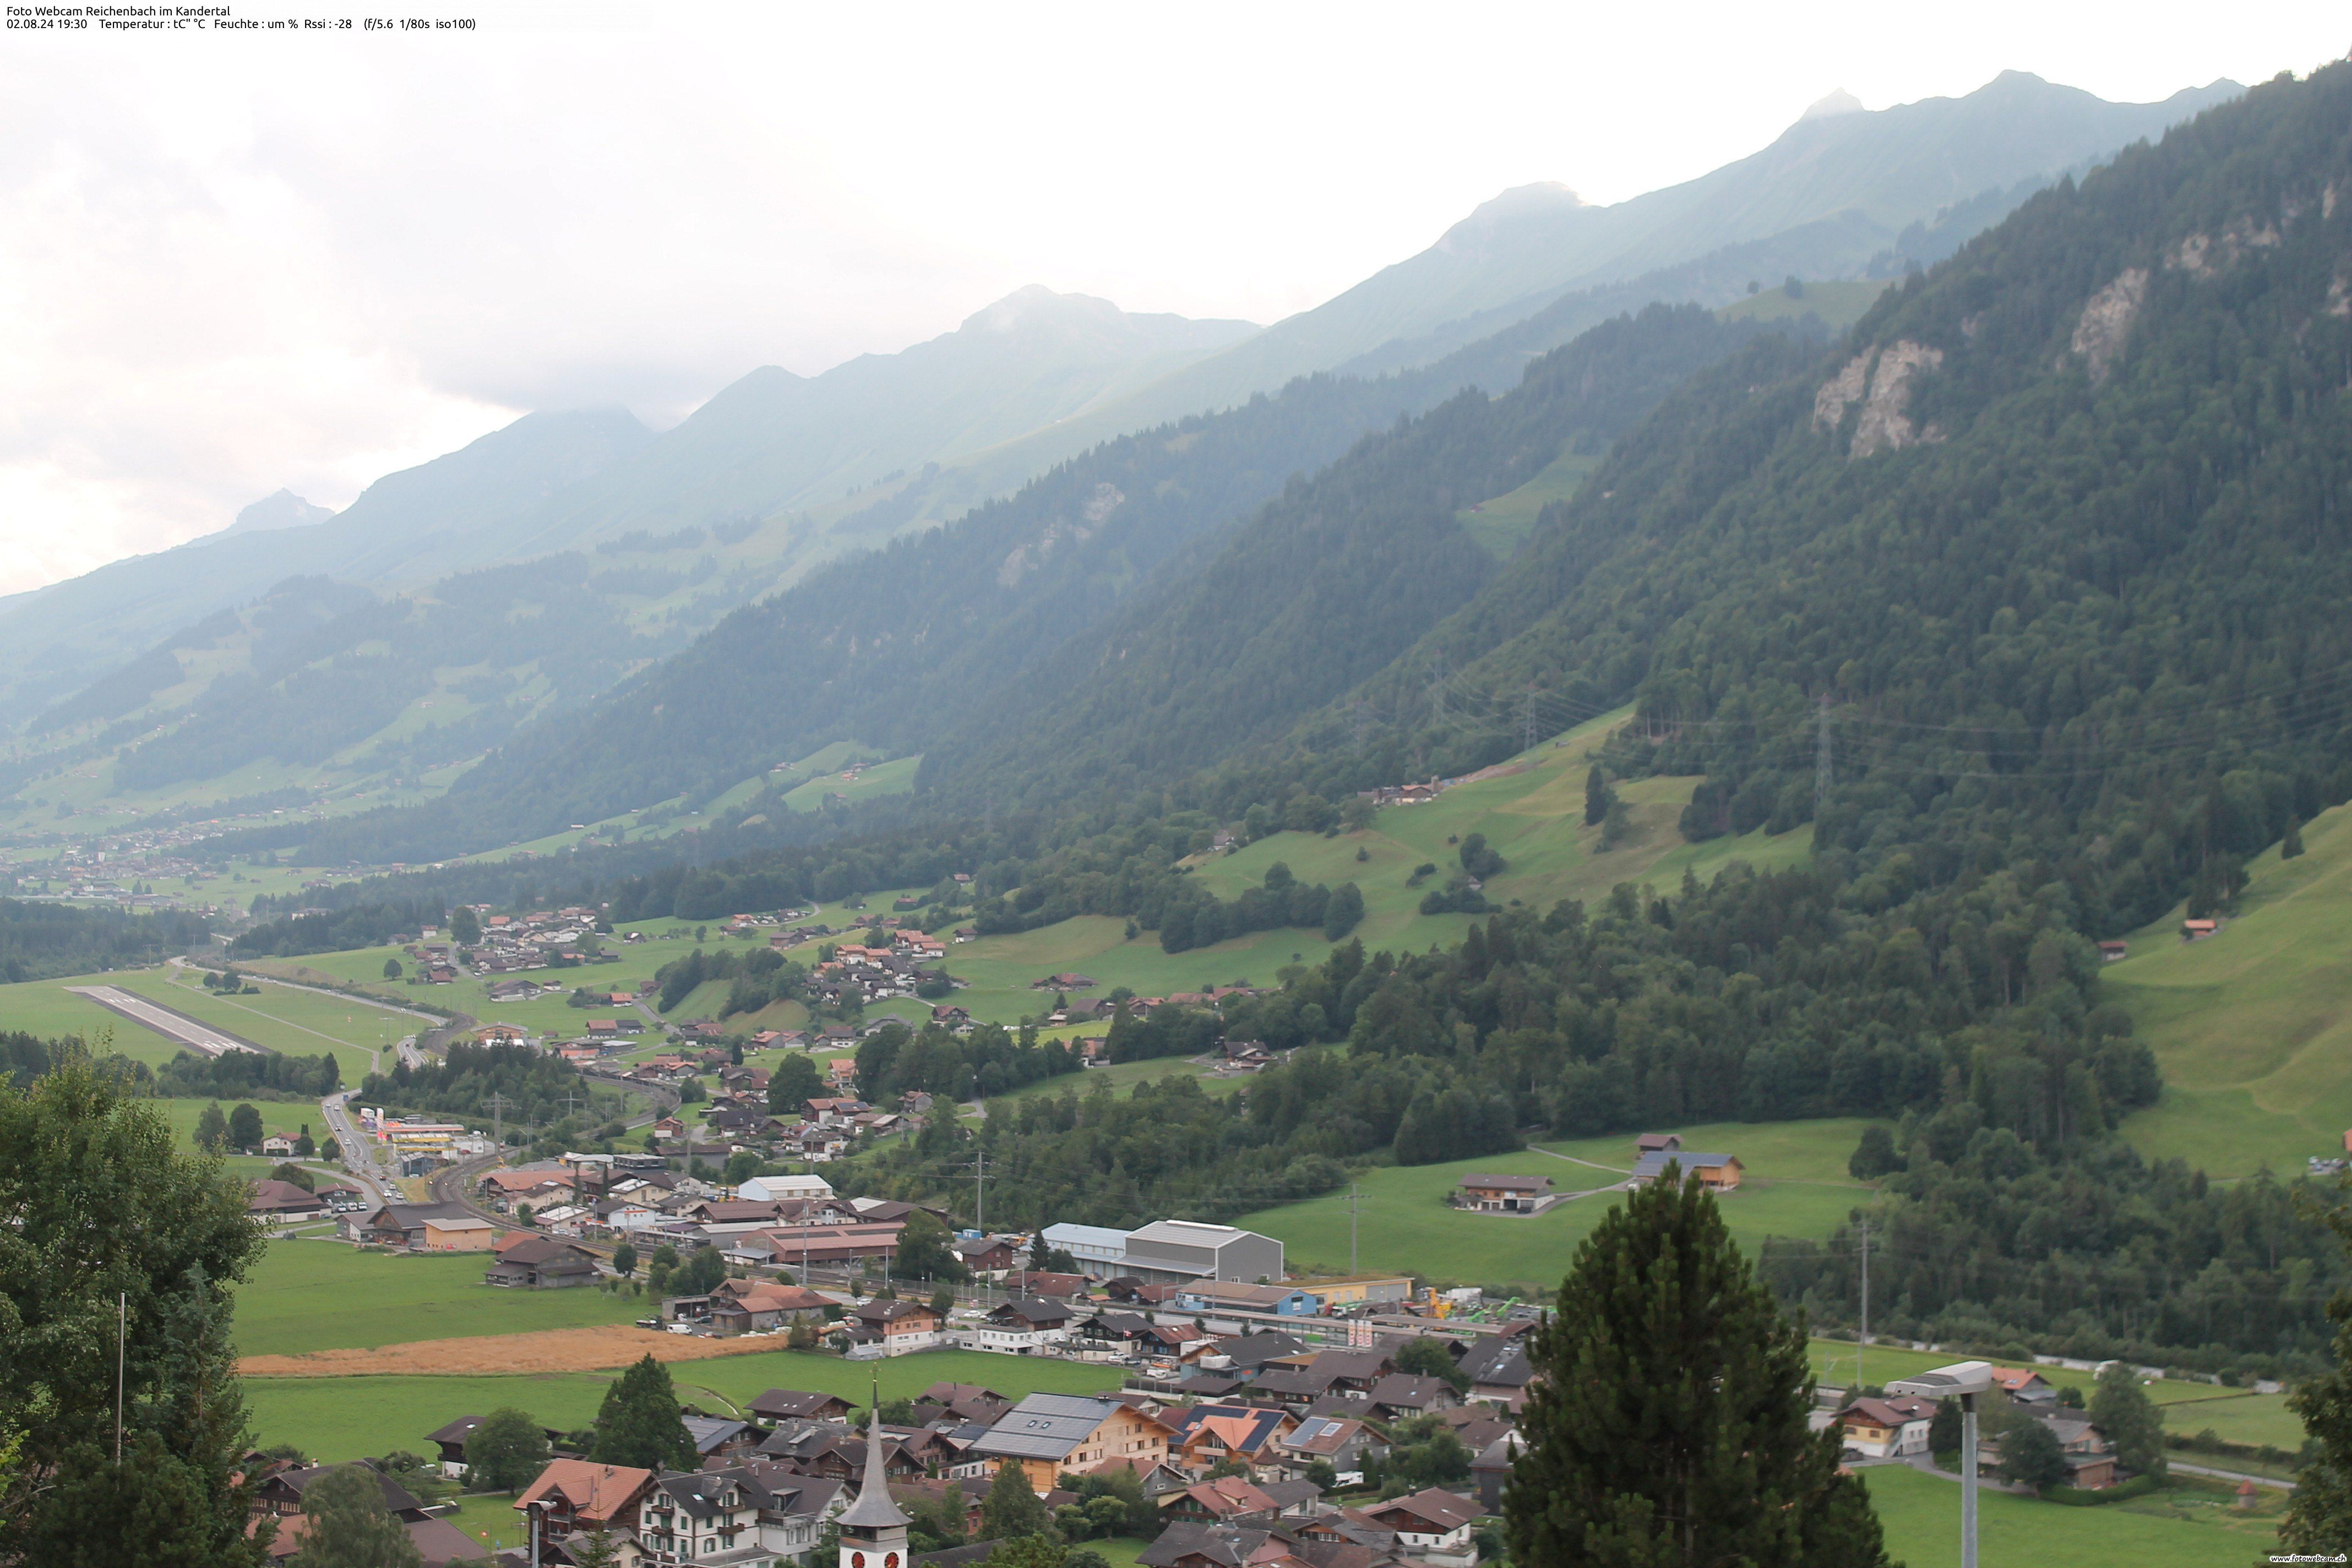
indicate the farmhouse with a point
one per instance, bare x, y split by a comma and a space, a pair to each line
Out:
900, 1328
1650, 1142
1718, 1173
280, 1202
542, 1263
1887, 1428
1503, 1194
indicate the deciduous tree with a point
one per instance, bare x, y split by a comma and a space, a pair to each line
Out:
507, 1451
346, 1525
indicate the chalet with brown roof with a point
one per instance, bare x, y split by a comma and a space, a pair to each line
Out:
280, 1202
1503, 1193
757, 1306
799, 1405
542, 1263
579, 1495
1229, 1499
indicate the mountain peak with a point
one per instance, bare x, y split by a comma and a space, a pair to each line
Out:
1543, 200
1836, 103
1037, 305
284, 510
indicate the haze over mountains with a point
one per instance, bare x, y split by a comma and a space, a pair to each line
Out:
779, 474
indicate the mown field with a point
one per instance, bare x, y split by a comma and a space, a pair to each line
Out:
321, 1294
1795, 1183
2194, 1526
2252, 1026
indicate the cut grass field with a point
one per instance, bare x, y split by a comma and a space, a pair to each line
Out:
321, 1295
1795, 1184
2250, 1027
2190, 1527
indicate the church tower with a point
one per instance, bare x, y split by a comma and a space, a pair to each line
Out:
874, 1529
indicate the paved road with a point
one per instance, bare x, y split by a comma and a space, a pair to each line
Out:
2270, 1481
193, 1033
359, 1154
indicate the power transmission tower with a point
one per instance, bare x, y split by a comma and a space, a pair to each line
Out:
1823, 767
498, 1105
1528, 719
1437, 687
1357, 711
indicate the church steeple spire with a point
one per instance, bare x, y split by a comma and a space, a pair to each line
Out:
874, 1529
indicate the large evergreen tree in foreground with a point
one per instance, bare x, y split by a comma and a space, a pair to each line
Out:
1667, 1426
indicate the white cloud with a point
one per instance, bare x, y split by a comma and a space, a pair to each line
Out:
228, 264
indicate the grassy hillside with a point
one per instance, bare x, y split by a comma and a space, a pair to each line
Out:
1503, 523
1839, 303
1796, 1184
2252, 1026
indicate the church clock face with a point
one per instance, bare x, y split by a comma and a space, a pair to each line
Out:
891, 1560
857, 1560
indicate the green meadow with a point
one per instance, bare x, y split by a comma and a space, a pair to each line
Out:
307, 1295
2251, 1026
2190, 1526
1794, 1184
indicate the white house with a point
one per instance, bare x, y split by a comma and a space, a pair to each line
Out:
767, 1189
1887, 1428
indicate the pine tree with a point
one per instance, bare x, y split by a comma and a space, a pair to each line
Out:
1598, 796
1668, 1423
2291, 845
639, 1423
211, 1129
1013, 1508
346, 1525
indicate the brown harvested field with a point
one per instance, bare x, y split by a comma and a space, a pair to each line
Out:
547, 1349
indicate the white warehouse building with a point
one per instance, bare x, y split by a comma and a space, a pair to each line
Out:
1170, 1252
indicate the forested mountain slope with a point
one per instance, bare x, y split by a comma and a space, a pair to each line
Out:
2057, 538
1324, 587
902, 647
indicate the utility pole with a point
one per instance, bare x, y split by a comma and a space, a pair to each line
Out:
498, 1105
980, 1195
122, 1334
1821, 764
1351, 1228
1864, 1341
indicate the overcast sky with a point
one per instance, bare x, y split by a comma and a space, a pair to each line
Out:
233, 263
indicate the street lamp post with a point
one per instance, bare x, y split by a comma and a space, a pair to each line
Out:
1962, 1380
